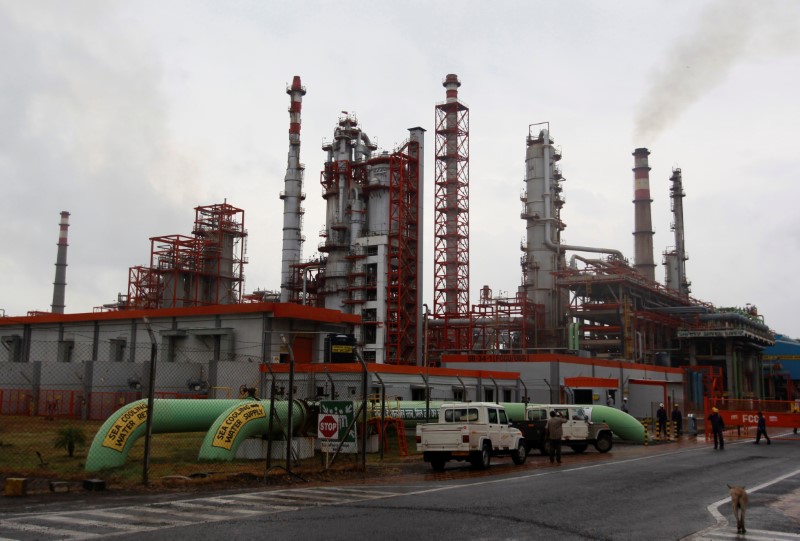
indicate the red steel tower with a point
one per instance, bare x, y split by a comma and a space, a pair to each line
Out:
451, 224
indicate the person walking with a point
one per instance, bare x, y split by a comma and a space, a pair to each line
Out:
554, 432
717, 427
762, 429
677, 420
661, 421
625, 405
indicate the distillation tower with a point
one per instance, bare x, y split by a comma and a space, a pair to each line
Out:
675, 259
371, 240
543, 252
292, 195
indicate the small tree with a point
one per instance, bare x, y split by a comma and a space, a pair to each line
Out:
68, 437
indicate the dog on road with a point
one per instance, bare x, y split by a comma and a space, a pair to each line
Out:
739, 503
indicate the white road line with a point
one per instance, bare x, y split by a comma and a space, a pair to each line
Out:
232, 500
211, 509
69, 519
265, 497
56, 532
357, 491
311, 494
137, 517
202, 517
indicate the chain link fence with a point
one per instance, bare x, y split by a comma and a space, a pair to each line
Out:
55, 414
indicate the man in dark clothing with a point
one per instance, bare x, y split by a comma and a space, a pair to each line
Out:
717, 426
762, 429
661, 419
677, 420
554, 433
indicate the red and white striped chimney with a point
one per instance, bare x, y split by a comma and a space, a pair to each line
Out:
643, 222
60, 283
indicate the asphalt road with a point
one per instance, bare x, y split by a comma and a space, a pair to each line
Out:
671, 491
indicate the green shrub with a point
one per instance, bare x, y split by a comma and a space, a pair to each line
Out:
68, 437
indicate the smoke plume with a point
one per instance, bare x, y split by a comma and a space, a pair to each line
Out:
726, 33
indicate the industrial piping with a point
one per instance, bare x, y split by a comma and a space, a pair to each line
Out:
230, 422
116, 436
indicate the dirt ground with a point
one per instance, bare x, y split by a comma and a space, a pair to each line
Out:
200, 481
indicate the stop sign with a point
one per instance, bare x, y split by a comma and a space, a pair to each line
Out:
328, 426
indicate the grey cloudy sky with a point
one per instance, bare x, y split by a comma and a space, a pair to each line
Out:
130, 114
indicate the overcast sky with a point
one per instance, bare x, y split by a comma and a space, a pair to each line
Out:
130, 114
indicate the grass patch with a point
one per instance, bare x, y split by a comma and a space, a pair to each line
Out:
27, 450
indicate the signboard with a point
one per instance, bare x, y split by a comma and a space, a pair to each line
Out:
235, 421
125, 425
344, 413
328, 426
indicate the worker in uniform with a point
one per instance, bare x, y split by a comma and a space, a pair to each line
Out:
661, 421
625, 404
554, 432
717, 427
762, 429
677, 419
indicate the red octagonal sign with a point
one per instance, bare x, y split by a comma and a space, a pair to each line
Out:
328, 426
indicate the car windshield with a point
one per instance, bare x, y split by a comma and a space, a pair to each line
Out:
460, 415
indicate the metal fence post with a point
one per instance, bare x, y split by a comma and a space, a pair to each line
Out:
150, 395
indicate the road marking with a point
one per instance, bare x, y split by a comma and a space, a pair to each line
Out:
210, 509
139, 518
33, 528
88, 522
721, 530
126, 520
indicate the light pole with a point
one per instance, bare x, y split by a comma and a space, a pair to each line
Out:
425, 314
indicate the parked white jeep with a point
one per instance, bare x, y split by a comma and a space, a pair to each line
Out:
473, 431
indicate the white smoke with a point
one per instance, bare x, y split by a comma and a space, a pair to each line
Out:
726, 32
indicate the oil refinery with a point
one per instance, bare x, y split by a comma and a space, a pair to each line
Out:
587, 307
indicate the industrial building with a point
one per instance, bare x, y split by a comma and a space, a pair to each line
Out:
581, 316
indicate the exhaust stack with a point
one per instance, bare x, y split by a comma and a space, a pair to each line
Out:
292, 194
675, 260
643, 226
60, 283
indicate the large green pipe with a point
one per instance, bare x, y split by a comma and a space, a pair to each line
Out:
116, 436
621, 424
241, 421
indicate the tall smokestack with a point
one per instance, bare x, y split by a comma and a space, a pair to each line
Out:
293, 193
451, 224
60, 284
675, 260
643, 226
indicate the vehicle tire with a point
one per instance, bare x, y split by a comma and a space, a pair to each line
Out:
603, 443
579, 448
437, 463
484, 458
520, 454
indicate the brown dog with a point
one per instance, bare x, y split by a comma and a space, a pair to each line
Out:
739, 503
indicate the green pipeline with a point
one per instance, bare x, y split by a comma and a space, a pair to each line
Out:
123, 428
239, 422
623, 426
